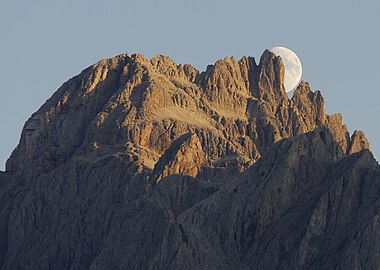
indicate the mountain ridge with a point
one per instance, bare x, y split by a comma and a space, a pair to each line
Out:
146, 164
181, 101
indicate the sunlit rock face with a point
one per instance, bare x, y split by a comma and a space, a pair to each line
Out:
146, 164
238, 109
293, 67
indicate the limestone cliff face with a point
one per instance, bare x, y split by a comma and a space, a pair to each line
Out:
184, 157
236, 108
146, 164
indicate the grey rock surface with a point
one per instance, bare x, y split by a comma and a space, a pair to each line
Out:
146, 164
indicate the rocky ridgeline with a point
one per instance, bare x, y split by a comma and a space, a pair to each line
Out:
138, 164
128, 104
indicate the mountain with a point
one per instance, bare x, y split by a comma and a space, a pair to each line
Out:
146, 164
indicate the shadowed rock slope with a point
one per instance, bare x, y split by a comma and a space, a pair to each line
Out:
146, 164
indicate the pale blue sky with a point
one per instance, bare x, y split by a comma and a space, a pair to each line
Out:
45, 42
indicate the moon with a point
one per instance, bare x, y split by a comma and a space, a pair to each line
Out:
293, 67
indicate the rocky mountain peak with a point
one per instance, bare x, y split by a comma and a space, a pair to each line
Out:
154, 165
167, 67
358, 142
311, 104
270, 79
238, 109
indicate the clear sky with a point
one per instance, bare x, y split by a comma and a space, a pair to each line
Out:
45, 42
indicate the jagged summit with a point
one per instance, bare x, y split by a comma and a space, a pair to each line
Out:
237, 108
146, 164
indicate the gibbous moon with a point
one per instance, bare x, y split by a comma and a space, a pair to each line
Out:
293, 67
